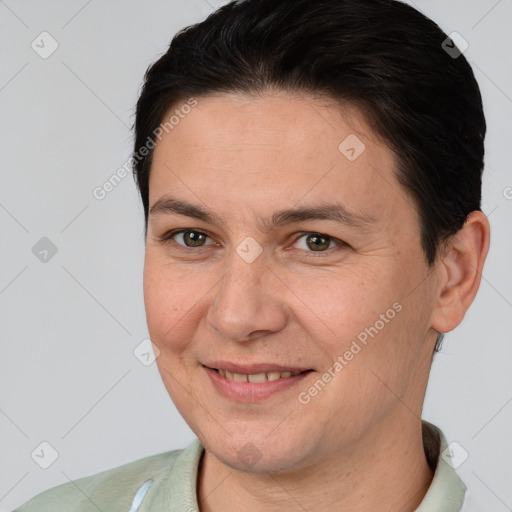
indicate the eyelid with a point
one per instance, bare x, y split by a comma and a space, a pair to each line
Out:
167, 237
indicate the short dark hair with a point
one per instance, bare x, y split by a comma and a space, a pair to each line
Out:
382, 56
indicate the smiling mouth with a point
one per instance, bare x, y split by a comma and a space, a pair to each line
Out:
257, 377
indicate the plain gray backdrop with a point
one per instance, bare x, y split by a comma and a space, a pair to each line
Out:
72, 311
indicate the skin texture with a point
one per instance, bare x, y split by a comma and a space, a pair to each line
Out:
357, 444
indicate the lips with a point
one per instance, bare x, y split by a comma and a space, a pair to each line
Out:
254, 373
254, 368
253, 384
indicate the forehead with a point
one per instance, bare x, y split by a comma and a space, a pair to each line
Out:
277, 120
277, 149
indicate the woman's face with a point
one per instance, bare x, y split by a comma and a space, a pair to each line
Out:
249, 289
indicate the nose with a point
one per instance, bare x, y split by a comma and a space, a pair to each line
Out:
249, 302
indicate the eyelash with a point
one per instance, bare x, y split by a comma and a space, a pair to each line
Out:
168, 238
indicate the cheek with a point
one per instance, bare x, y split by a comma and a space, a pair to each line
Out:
369, 317
172, 303
343, 305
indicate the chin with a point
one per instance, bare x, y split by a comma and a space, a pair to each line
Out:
252, 460
257, 453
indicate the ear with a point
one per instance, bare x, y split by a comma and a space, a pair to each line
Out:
460, 272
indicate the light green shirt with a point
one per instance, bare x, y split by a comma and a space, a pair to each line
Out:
167, 483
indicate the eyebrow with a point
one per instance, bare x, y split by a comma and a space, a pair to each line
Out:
328, 211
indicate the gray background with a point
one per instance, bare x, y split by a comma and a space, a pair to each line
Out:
70, 324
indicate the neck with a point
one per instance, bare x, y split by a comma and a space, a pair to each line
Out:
385, 471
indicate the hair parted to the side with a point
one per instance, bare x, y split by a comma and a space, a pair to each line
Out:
382, 56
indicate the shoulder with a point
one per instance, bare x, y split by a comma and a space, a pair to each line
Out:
114, 487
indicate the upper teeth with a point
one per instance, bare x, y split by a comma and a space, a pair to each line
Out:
256, 377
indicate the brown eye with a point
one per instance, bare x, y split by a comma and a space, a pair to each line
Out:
193, 238
189, 238
316, 242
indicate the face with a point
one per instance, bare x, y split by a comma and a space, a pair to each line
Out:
275, 244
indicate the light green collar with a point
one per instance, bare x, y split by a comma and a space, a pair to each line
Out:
446, 492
